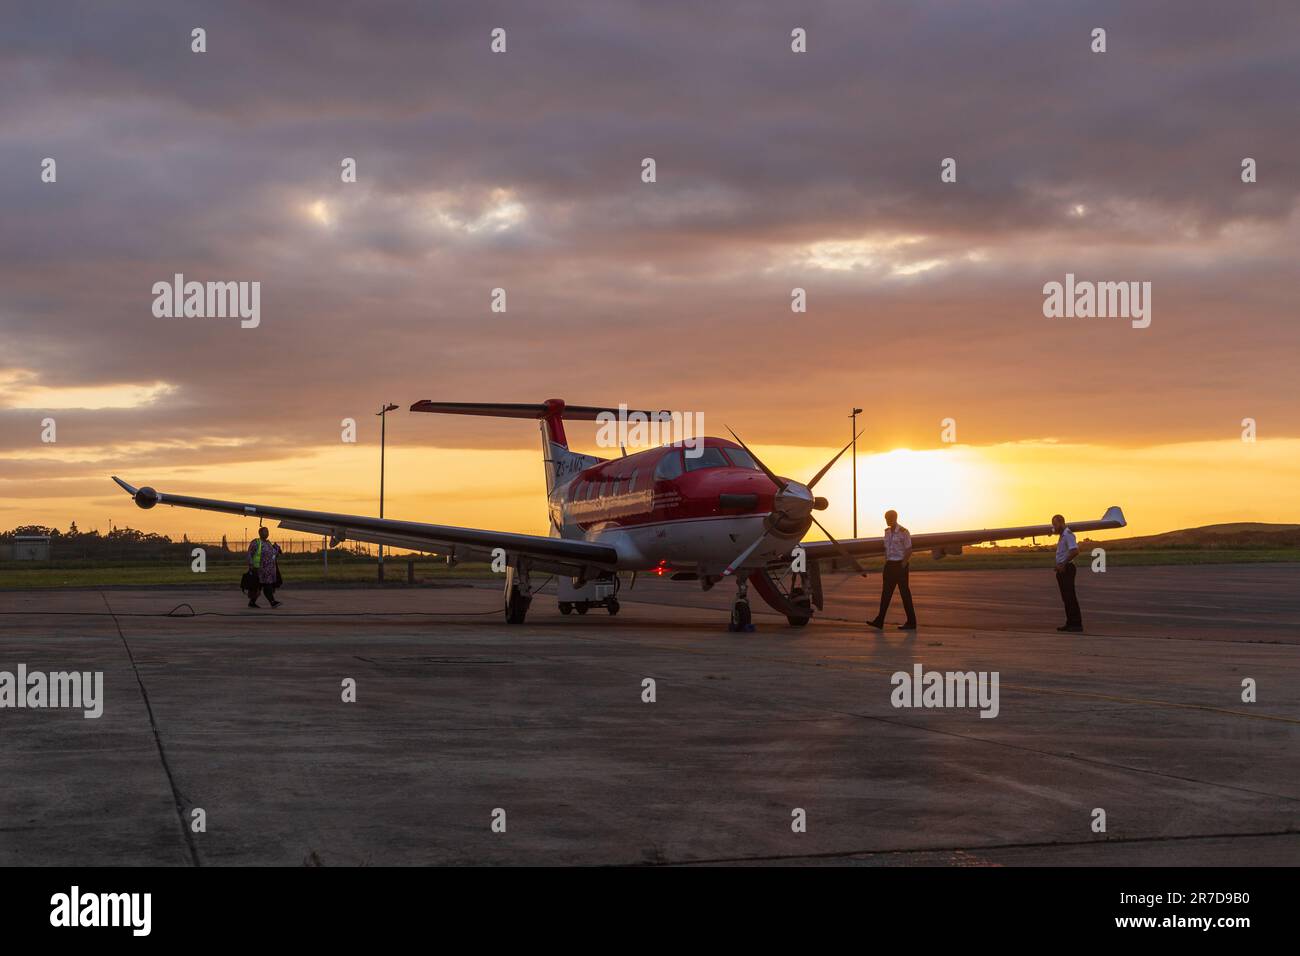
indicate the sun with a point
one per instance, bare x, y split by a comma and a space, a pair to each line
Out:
937, 488
932, 490
320, 213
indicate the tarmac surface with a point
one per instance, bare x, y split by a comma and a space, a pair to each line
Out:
238, 713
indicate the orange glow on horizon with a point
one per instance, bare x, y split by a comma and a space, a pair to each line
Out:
1160, 488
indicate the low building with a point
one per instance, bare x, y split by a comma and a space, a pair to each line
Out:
30, 547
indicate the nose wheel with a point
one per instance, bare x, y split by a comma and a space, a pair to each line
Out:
740, 614
740, 617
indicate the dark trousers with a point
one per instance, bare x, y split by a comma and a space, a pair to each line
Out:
259, 588
896, 577
1065, 581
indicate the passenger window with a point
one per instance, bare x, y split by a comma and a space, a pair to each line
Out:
631, 482
670, 466
710, 458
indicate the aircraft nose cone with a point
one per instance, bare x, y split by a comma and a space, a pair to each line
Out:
796, 499
791, 510
798, 491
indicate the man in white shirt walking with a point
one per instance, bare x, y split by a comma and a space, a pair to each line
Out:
898, 554
1067, 549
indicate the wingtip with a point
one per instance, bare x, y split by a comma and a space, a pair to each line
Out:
1115, 513
129, 489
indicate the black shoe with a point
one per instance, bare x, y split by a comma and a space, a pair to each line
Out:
276, 603
878, 625
253, 604
909, 626
1072, 628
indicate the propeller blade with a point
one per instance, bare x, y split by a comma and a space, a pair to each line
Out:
839, 547
734, 565
780, 483
818, 477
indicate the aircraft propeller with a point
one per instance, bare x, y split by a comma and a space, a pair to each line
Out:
792, 508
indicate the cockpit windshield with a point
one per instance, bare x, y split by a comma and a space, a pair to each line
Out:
742, 459
709, 457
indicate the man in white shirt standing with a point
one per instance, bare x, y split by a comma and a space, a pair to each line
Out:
1067, 549
898, 554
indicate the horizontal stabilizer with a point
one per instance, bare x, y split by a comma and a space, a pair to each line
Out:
533, 410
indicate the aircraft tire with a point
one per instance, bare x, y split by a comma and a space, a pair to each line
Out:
802, 602
740, 616
516, 607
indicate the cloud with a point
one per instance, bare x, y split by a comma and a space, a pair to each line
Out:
522, 171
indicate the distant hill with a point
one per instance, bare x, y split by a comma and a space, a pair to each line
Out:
1245, 534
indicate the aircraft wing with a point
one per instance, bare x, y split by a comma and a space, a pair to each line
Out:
863, 547
555, 555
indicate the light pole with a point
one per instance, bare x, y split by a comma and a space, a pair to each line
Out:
383, 428
854, 417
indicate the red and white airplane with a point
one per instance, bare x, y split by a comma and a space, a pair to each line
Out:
714, 514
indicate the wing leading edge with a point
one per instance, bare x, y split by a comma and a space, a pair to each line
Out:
862, 547
557, 555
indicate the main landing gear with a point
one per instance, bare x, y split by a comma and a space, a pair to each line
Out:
518, 594
796, 594
801, 602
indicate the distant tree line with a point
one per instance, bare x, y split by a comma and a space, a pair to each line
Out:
119, 542
128, 543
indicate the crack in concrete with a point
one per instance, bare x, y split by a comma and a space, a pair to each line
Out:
177, 798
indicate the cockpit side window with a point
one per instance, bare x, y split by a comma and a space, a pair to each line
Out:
710, 457
670, 466
742, 459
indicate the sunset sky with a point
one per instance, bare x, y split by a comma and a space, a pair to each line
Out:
522, 170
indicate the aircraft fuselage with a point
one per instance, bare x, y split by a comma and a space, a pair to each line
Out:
663, 510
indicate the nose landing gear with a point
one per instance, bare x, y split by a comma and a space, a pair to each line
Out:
740, 614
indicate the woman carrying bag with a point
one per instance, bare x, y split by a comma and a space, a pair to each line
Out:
263, 569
